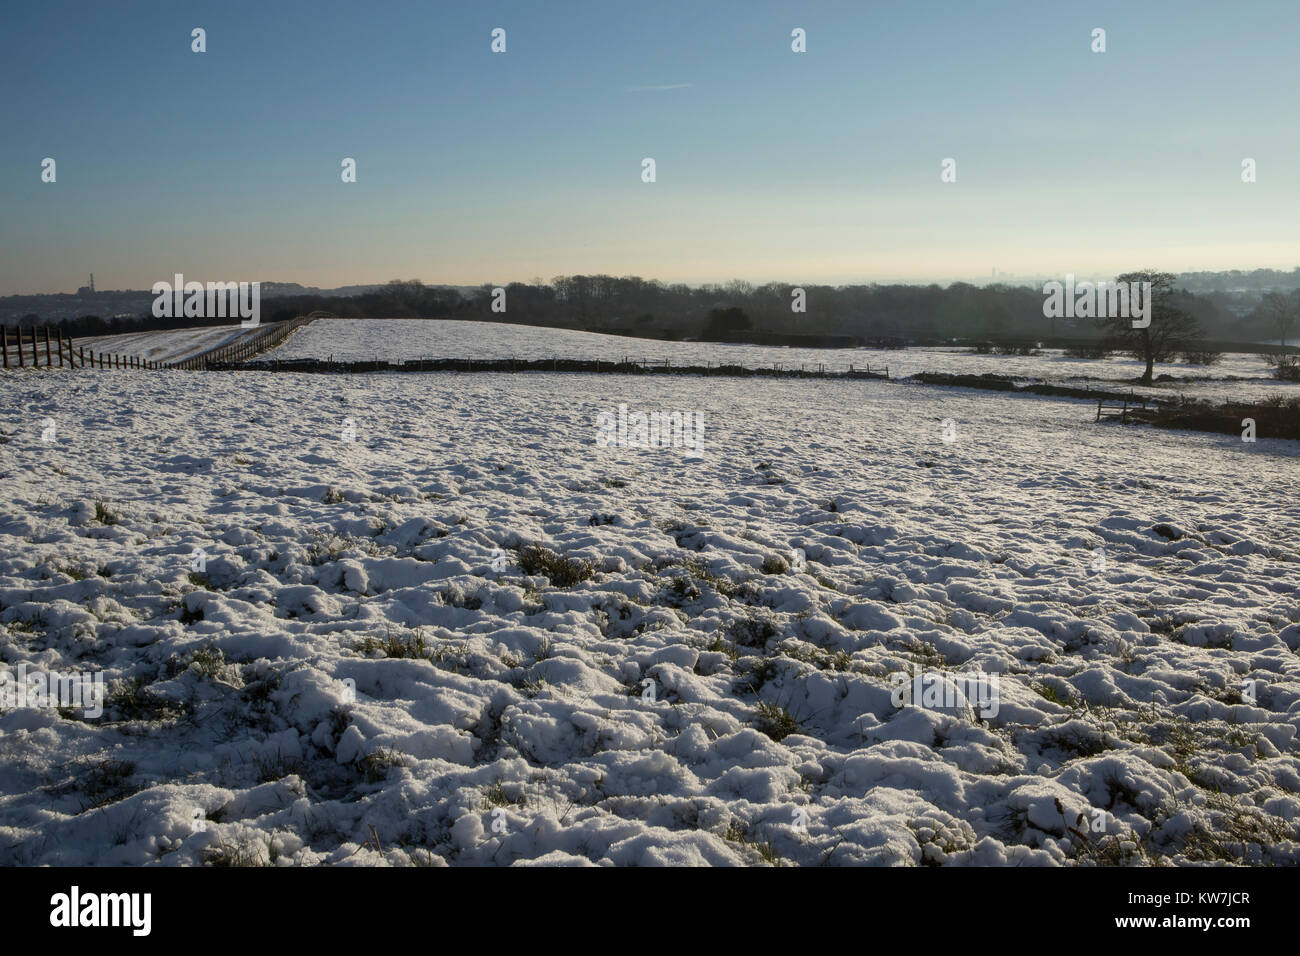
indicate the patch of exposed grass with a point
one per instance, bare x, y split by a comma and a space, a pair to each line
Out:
752, 630
106, 782
720, 645
562, 572
132, 700
736, 833
209, 661
496, 796
375, 766
775, 721
244, 853
395, 646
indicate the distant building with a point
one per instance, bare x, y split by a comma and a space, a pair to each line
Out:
88, 289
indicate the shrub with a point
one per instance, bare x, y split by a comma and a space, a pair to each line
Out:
1287, 368
1202, 357
1275, 417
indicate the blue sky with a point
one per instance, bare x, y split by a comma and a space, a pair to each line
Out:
479, 167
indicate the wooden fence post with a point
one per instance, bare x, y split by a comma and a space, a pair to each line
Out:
81, 350
4, 340
20, 346
48, 363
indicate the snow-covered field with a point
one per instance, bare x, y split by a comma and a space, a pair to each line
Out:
1236, 377
705, 680
167, 345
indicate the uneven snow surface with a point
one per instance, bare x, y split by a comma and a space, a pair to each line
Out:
712, 686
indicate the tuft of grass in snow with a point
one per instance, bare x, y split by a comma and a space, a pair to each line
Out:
752, 630
131, 700
394, 646
736, 833
722, 646
244, 853
822, 660
562, 572
107, 782
700, 571
277, 767
104, 514
496, 796
209, 661
375, 766
1048, 692
777, 722
76, 572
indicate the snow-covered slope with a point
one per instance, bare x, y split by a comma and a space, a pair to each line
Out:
170, 345
499, 715
396, 340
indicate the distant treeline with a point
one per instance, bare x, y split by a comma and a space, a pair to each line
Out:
1237, 280
736, 311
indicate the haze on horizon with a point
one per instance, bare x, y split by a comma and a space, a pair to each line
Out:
477, 167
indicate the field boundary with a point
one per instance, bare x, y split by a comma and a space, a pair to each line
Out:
24, 348
235, 354
59, 352
588, 366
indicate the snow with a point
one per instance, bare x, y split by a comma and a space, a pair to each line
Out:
167, 345
269, 721
1238, 377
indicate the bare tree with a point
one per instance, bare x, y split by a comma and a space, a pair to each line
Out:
1171, 329
1280, 312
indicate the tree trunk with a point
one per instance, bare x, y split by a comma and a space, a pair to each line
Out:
1151, 359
